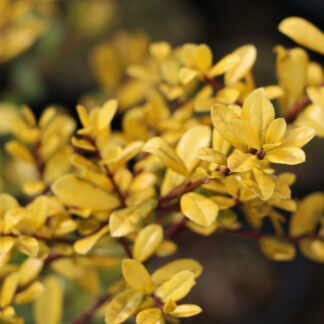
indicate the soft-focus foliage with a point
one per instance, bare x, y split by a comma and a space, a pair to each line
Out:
193, 151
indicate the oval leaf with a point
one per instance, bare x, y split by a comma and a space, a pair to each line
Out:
147, 242
198, 208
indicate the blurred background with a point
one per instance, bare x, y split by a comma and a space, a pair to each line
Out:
71, 58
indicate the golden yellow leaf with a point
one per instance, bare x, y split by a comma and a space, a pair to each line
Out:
29, 294
7, 202
29, 270
241, 162
6, 244
82, 144
211, 155
177, 287
19, 151
315, 74
77, 192
199, 208
169, 70
166, 249
139, 72
83, 115
225, 64
160, 50
125, 221
130, 151
312, 116
169, 306
166, 154
316, 95
202, 230
33, 188
304, 33
276, 131
150, 316
277, 249
227, 95
193, 139
38, 211
84, 245
258, 111
265, 184
244, 132
308, 215
203, 57
167, 271
186, 310
312, 249
247, 55
298, 136
8, 289
286, 155
186, 75
220, 144
273, 92
48, 306
123, 306
28, 245
58, 165
106, 114
28, 115
221, 116
291, 69
286, 204
147, 242
137, 276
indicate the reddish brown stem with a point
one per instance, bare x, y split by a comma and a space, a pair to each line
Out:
116, 187
298, 107
175, 228
213, 82
127, 249
178, 102
38, 160
167, 208
157, 302
52, 257
178, 192
87, 315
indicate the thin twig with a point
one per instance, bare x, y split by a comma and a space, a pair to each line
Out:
175, 228
52, 257
157, 302
39, 161
178, 192
127, 249
213, 82
178, 103
298, 107
88, 314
